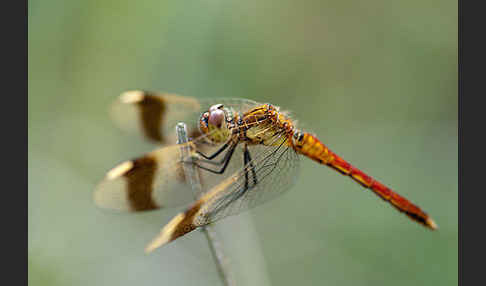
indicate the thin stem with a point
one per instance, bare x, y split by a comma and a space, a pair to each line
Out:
193, 178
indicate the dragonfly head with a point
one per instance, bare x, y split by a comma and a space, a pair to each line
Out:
214, 124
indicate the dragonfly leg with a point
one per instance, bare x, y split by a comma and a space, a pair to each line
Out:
210, 157
226, 161
246, 159
250, 161
215, 163
235, 196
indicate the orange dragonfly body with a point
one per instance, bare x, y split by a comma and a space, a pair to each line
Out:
246, 153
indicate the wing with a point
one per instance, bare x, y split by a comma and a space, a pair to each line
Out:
157, 179
271, 172
154, 115
149, 182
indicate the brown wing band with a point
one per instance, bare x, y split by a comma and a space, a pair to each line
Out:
187, 224
178, 226
152, 109
140, 180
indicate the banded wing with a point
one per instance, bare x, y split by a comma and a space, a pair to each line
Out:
149, 182
157, 179
271, 172
154, 115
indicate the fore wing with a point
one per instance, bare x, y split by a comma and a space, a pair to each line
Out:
154, 115
157, 179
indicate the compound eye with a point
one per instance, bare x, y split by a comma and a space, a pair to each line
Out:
216, 117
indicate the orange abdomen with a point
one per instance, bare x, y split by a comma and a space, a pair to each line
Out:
313, 148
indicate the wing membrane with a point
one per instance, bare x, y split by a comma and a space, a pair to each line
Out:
157, 179
149, 182
276, 170
154, 115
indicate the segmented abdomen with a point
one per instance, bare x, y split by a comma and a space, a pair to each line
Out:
313, 148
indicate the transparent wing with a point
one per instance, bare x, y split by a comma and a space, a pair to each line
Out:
154, 115
210, 179
271, 172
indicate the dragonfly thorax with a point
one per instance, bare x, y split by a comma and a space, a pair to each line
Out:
215, 124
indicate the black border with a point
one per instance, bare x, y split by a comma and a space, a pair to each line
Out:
14, 118
471, 117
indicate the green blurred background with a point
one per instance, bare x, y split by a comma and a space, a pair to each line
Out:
376, 80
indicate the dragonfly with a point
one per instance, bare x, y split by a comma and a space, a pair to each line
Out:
245, 154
